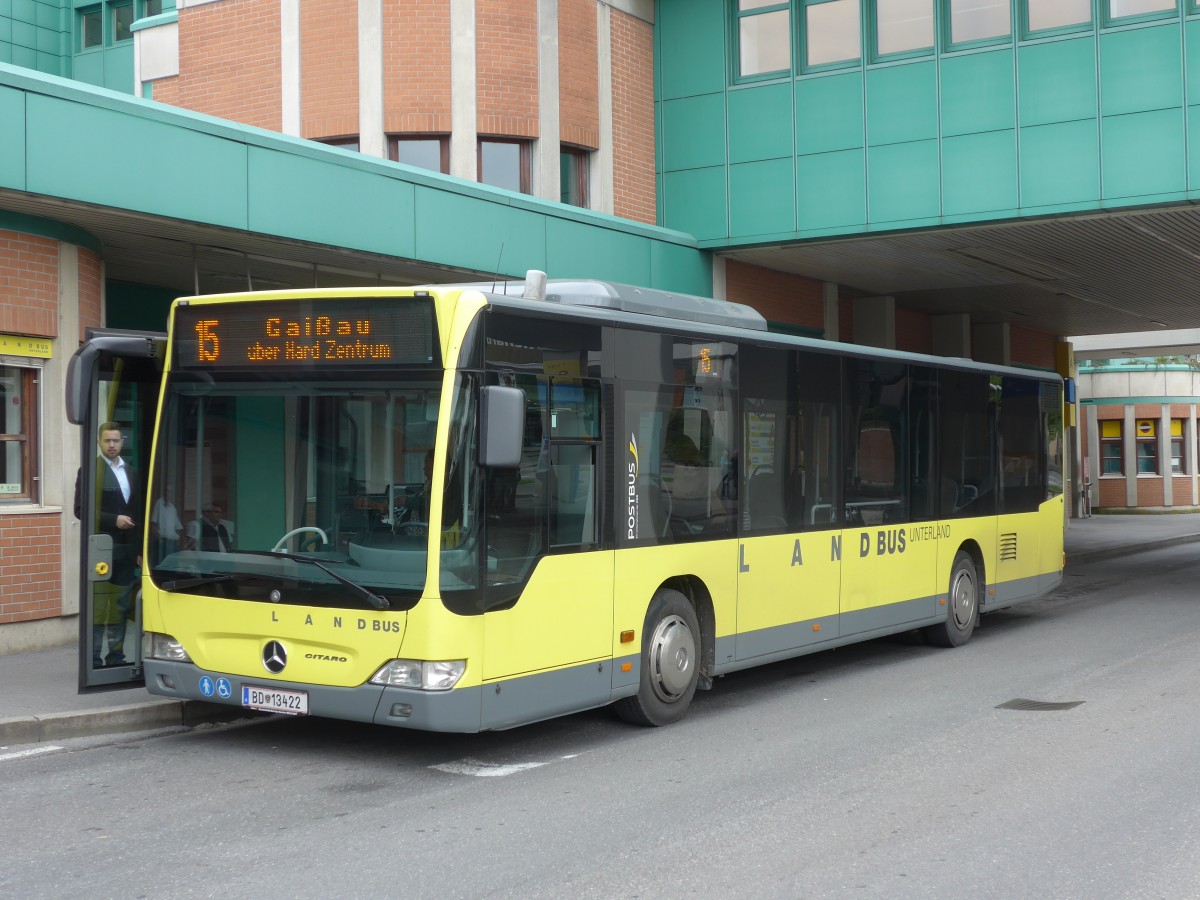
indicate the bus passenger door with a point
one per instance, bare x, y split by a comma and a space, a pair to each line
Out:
113, 383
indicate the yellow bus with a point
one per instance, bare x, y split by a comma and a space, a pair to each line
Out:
462, 508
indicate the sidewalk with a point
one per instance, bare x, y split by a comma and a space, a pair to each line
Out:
39, 699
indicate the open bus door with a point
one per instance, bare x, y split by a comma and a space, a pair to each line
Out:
113, 380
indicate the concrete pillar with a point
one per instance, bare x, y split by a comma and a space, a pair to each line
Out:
1164, 454
951, 335
1129, 448
719, 285
464, 133
600, 167
829, 294
372, 141
992, 343
289, 64
1094, 464
875, 321
1189, 451
547, 147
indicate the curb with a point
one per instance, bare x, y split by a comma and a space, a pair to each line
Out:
147, 716
1087, 556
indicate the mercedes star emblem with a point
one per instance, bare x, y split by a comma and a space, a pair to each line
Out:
274, 657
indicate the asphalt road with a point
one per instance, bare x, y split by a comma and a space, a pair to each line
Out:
881, 770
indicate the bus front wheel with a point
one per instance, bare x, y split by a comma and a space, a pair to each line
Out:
963, 602
670, 663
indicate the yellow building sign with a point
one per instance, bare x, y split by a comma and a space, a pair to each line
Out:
18, 345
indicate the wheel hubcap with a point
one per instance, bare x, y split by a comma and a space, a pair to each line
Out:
672, 655
962, 600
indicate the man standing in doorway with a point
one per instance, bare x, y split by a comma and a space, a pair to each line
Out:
119, 511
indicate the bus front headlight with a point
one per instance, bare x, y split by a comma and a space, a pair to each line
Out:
421, 675
163, 646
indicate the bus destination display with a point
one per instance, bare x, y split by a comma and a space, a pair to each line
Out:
308, 333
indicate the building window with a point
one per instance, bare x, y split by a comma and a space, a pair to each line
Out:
573, 176
764, 36
1177, 461
91, 28
152, 8
972, 21
122, 22
347, 142
903, 26
18, 440
426, 151
831, 33
1049, 15
1112, 448
1147, 447
1121, 9
504, 163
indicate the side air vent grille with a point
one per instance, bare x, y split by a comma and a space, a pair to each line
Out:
1008, 546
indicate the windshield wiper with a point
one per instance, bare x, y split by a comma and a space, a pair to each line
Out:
367, 594
182, 584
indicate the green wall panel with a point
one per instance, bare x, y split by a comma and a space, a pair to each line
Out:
118, 68
5, 52
979, 173
1060, 164
1193, 144
576, 250
1191, 37
978, 92
902, 103
1143, 153
829, 113
459, 230
760, 123
691, 58
693, 132
1141, 69
190, 175
12, 147
338, 205
89, 68
762, 198
674, 267
694, 201
903, 181
1057, 81
831, 190
24, 56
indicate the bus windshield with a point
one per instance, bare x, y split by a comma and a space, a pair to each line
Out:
269, 490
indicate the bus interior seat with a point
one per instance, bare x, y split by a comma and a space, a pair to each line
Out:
765, 496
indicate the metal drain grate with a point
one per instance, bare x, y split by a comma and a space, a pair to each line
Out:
1039, 705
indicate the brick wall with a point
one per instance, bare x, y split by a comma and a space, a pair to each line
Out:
416, 82
1181, 491
328, 69
506, 68
30, 576
1112, 492
578, 74
634, 195
1149, 492
229, 62
28, 284
914, 332
1032, 348
89, 291
779, 296
166, 90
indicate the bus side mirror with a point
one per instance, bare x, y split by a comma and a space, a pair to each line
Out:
502, 426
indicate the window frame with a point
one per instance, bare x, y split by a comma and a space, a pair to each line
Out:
1177, 444
29, 437
1149, 441
113, 10
1108, 20
525, 160
396, 139
580, 157
875, 55
345, 141
802, 40
81, 16
1111, 442
950, 45
738, 14
1028, 32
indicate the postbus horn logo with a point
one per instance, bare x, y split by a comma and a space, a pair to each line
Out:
632, 476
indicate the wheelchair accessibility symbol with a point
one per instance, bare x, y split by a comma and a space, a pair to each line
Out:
206, 686
224, 690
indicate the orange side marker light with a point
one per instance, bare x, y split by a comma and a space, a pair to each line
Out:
626, 637
626, 667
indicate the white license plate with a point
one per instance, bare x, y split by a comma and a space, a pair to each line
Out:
292, 703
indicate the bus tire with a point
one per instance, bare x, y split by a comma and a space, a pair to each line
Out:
962, 600
670, 663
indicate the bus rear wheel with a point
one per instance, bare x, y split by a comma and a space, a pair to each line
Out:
963, 601
670, 663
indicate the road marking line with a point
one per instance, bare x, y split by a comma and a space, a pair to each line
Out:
480, 769
21, 754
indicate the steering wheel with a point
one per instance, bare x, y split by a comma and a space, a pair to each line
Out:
279, 547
